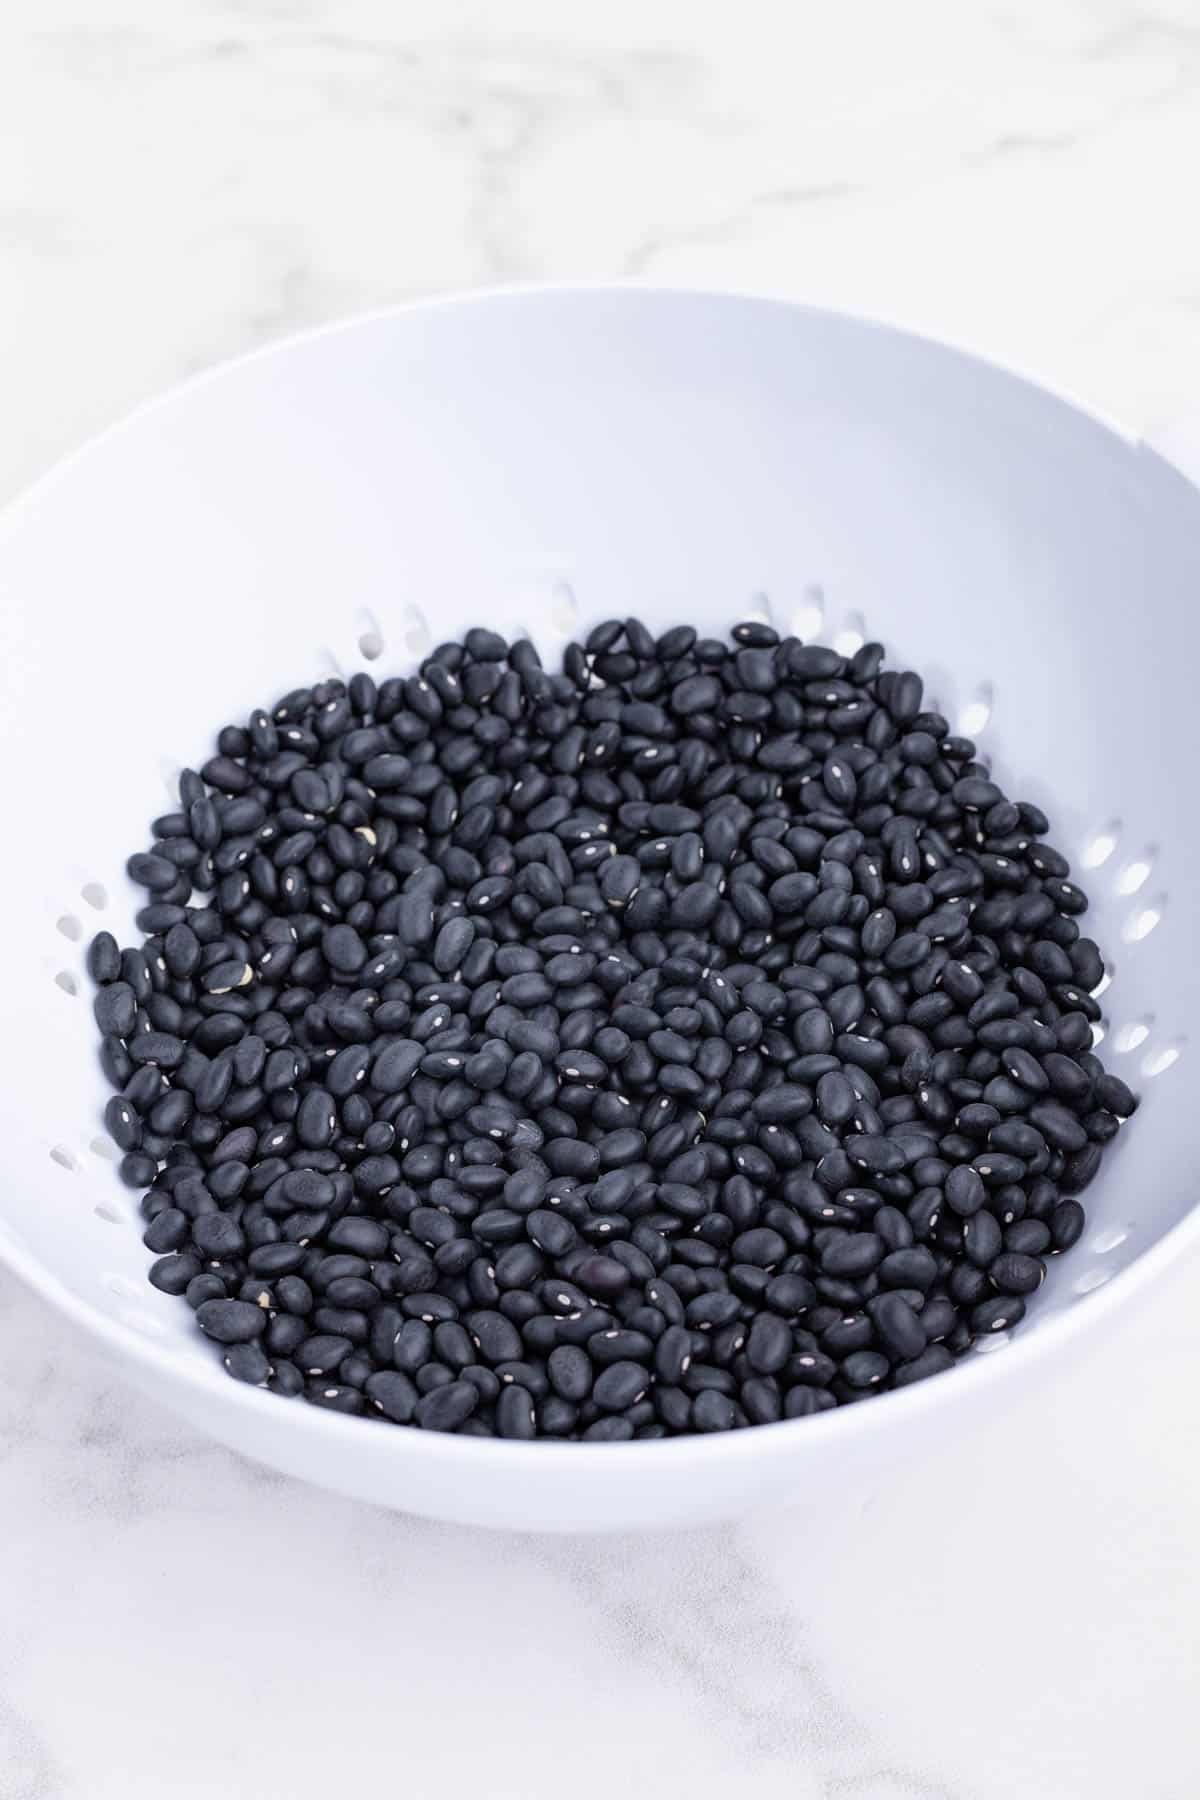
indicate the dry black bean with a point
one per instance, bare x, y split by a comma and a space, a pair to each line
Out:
247, 1362
231, 1321
446, 1407
391, 1393
866, 1368
933, 1361
712, 1411
515, 1415
1066, 1224
965, 1192
1014, 1273
901, 1331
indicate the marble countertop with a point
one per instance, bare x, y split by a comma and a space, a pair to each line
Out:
181, 181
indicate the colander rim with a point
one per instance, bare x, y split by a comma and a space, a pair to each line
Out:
973, 1373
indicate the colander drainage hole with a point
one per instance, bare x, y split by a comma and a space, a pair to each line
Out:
1133, 876
70, 927
63, 1157
417, 634
1110, 1239
977, 711
1159, 1061
67, 982
1131, 1036
95, 894
760, 609
1100, 846
851, 637
1140, 924
1090, 1280
371, 645
109, 1214
102, 1146
809, 617
137, 1320
564, 608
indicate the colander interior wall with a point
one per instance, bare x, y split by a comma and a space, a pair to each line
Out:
538, 462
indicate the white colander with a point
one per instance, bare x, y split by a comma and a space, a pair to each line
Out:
537, 461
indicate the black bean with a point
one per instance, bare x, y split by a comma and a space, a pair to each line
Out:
620, 1385
997, 1314
115, 1008
1014, 1273
1081, 1168
802, 1402
550, 1232
570, 1372
231, 1321
982, 1238
836, 1098
673, 1354
852, 1254
168, 1231
172, 1274
391, 1393
1025, 1069
412, 1346
137, 1169
316, 1121
933, 1361
104, 958
866, 1368
496, 1338
515, 1416
153, 872
769, 1344
965, 1191
711, 1411
246, 1362
218, 1236
395, 1063
1113, 1094
446, 1407
335, 1397
909, 1268
602, 1276
124, 1125
1059, 1127
899, 1328
1066, 1224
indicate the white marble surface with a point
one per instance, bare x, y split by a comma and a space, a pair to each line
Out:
179, 181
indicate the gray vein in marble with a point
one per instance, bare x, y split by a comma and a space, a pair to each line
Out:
497, 105
28, 1770
697, 1604
1022, 143
504, 102
729, 226
1139, 31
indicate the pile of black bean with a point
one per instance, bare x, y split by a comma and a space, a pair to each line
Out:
693, 1038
